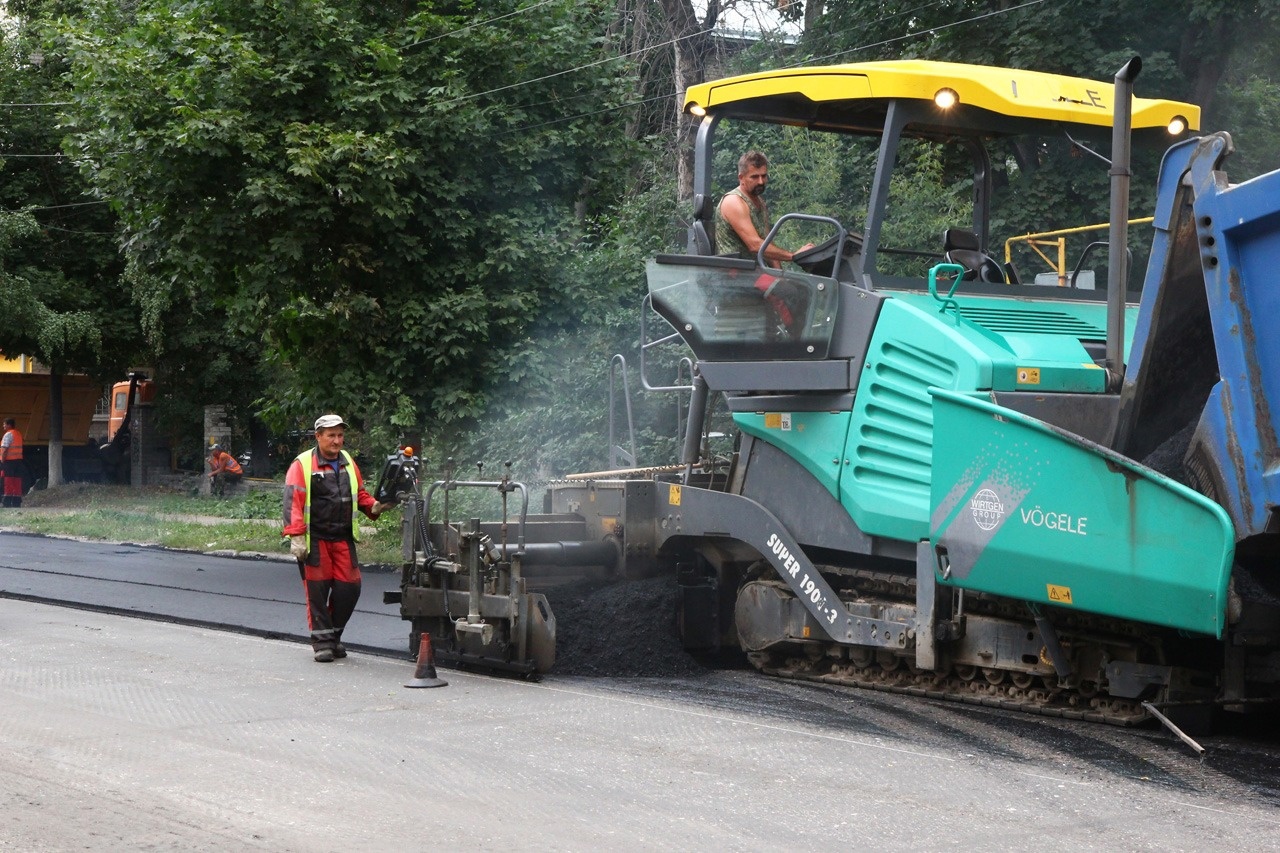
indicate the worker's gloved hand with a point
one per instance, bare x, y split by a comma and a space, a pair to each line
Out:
298, 547
377, 509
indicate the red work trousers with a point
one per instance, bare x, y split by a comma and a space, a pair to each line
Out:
332, 583
13, 471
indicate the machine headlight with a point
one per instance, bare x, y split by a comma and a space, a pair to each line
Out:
946, 98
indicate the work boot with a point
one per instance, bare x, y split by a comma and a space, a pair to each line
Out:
324, 655
339, 650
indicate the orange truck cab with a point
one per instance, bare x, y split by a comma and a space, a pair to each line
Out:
145, 393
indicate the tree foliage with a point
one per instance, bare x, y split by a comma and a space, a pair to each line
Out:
433, 216
370, 200
58, 259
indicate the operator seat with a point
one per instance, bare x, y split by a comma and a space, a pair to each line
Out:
960, 246
702, 236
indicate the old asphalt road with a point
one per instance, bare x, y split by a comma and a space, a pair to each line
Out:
124, 734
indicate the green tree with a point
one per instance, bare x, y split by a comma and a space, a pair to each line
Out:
58, 258
369, 202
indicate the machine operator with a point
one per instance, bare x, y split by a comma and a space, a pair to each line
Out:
742, 222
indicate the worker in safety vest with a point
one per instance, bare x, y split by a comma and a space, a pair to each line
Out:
224, 470
11, 465
321, 492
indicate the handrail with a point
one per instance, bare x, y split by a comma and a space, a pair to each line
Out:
504, 486
684, 364
616, 453
841, 233
1034, 241
646, 305
947, 301
1088, 250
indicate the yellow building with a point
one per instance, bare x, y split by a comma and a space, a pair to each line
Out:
18, 364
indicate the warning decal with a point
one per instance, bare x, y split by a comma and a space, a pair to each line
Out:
1059, 594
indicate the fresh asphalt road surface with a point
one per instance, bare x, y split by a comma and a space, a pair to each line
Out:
127, 734
262, 596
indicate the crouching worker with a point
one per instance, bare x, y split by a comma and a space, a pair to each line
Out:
224, 470
321, 492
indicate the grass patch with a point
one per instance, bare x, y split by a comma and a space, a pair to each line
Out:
76, 496
249, 522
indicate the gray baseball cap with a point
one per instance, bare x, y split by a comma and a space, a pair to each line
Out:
329, 421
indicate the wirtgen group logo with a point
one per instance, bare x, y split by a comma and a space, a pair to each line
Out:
987, 509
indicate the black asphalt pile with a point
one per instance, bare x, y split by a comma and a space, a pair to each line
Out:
1168, 457
624, 629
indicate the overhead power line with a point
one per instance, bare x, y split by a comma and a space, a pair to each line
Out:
61, 206
77, 231
612, 109
808, 61
581, 95
596, 63
478, 24
544, 77
925, 32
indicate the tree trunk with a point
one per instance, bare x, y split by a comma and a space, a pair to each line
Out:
55, 428
691, 41
260, 462
813, 10
1205, 53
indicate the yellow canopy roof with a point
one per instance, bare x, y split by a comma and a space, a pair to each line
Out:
1034, 95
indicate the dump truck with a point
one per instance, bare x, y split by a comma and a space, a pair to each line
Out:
947, 481
85, 458
25, 398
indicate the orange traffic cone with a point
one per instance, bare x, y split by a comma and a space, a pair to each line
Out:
424, 675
